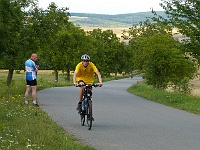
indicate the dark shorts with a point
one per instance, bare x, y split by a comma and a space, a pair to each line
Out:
80, 81
31, 83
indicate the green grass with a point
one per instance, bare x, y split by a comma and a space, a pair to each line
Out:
27, 127
180, 101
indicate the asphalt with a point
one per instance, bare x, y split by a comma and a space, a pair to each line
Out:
123, 121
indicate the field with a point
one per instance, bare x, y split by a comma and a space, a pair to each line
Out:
117, 31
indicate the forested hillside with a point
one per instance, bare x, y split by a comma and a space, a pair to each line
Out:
121, 20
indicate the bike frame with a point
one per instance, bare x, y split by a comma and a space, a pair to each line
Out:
87, 104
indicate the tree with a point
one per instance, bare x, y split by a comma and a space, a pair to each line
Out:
108, 51
183, 15
11, 24
159, 56
46, 24
71, 42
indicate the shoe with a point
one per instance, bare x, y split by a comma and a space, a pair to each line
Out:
79, 108
36, 105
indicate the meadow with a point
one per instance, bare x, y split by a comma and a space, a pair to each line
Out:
29, 128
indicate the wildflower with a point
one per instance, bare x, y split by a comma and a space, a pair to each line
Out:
29, 145
10, 141
3, 98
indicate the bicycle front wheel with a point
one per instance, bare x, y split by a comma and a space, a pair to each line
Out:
83, 117
89, 115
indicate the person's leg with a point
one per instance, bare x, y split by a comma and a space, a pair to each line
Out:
34, 94
81, 94
79, 107
81, 82
34, 90
27, 93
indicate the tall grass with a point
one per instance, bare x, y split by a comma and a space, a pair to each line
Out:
176, 100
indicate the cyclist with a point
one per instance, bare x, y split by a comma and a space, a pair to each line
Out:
84, 74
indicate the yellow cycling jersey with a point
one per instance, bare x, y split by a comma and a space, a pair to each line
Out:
85, 73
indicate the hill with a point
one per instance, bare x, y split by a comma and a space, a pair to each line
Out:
111, 21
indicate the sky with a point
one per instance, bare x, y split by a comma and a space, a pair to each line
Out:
111, 7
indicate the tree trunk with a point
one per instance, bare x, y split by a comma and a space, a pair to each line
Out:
56, 75
115, 74
68, 75
68, 72
9, 77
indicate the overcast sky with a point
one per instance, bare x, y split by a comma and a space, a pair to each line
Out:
105, 6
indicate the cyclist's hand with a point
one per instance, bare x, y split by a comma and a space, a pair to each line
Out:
81, 84
100, 84
75, 84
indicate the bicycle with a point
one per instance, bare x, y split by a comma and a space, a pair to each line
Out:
86, 112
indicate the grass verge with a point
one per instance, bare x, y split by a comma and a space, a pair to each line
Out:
180, 101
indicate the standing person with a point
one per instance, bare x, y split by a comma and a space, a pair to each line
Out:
84, 74
31, 78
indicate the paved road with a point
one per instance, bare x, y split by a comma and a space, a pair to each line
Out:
123, 121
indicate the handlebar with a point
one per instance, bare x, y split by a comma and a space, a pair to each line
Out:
88, 85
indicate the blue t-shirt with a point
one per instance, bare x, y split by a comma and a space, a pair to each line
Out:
30, 70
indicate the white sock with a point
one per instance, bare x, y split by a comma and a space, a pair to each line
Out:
26, 102
34, 102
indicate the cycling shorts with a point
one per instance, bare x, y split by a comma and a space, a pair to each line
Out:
31, 83
81, 81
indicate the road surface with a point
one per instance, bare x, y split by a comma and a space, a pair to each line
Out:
123, 121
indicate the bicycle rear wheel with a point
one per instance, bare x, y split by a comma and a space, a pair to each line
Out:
89, 114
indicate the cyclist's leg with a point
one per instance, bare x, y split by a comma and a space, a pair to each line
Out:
81, 94
79, 107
